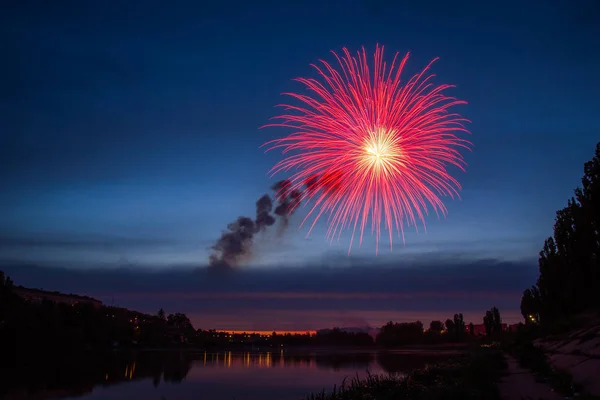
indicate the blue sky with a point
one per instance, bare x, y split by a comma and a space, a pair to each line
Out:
129, 133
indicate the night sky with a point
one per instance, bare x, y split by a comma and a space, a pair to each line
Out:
129, 140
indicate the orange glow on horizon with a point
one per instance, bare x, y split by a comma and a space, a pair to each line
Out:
250, 332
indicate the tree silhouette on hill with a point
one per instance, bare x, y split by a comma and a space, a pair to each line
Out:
569, 277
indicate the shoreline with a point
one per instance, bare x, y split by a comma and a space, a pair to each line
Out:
444, 349
473, 376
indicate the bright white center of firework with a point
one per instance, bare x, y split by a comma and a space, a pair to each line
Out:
376, 152
378, 149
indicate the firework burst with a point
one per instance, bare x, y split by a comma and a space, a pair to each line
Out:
369, 146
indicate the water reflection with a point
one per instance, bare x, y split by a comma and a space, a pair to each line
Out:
281, 360
202, 372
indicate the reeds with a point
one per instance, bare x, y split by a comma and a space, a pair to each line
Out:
469, 377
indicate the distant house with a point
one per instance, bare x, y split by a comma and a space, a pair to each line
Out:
38, 295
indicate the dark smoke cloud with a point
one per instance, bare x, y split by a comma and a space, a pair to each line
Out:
264, 205
288, 199
234, 247
234, 244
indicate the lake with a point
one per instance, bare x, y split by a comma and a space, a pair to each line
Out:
189, 375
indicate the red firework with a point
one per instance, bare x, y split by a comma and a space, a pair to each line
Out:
368, 144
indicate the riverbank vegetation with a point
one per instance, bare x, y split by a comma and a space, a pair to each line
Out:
474, 375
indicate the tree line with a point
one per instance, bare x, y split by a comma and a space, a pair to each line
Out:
569, 277
42, 326
454, 330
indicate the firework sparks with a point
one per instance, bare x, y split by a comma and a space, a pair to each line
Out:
367, 144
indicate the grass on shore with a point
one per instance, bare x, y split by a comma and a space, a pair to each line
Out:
473, 376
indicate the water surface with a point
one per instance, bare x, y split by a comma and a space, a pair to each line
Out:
187, 375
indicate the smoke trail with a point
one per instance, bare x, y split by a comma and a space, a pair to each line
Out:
264, 205
235, 245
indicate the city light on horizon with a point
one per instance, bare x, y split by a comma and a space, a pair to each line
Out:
266, 332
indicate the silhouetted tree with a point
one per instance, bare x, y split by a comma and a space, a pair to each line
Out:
497, 321
488, 322
531, 305
333, 337
492, 321
180, 321
471, 329
569, 263
459, 326
5, 281
182, 325
161, 314
436, 327
450, 328
395, 334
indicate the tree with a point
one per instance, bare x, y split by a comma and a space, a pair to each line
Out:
161, 314
492, 321
488, 322
569, 263
497, 321
394, 334
450, 328
471, 329
459, 326
5, 281
530, 305
182, 323
436, 327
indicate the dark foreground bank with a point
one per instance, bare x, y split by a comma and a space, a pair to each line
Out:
473, 375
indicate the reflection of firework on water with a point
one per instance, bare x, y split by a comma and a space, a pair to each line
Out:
366, 144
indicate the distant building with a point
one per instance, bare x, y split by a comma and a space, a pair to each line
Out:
37, 296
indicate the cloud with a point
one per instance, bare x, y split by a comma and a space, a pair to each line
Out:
87, 250
80, 241
308, 297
